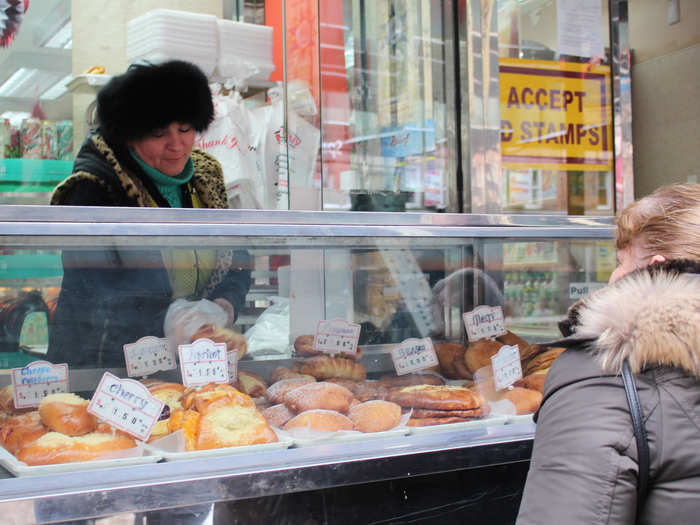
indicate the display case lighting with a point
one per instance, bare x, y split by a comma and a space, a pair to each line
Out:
28, 82
58, 89
62, 38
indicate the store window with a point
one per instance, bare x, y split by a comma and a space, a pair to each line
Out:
556, 106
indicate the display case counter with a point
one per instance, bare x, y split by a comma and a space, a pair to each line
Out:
397, 277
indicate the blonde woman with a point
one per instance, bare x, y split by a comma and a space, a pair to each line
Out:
584, 466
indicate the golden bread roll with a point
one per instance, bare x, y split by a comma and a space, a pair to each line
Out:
7, 402
251, 384
375, 416
478, 354
392, 380
170, 394
282, 372
55, 447
362, 390
304, 347
320, 420
208, 391
188, 422
324, 367
511, 339
277, 415
67, 414
18, 422
451, 359
436, 397
528, 352
219, 334
212, 400
323, 395
542, 360
23, 432
275, 392
232, 425
526, 401
534, 381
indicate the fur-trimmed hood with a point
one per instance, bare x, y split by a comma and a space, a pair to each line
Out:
651, 316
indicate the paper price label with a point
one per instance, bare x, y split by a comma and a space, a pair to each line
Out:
37, 380
413, 355
506, 366
202, 362
336, 336
232, 358
484, 322
127, 405
147, 356
581, 290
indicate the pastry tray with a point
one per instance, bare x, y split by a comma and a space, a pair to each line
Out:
21, 469
489, 421
217, 452
524, 418
345, 436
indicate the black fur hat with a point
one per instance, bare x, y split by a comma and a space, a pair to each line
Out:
151, 96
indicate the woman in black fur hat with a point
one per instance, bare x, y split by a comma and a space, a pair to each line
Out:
142, 155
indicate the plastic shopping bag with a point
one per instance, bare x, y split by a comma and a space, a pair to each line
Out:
184, 318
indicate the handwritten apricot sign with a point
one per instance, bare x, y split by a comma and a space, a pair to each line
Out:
555, 115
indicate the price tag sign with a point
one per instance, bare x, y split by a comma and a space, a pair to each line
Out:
147, 356
506, 366
232, 357
336, 336
484, 322
202, 362
413, 355
127, 405
37, 380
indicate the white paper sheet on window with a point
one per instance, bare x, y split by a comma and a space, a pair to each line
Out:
580, 27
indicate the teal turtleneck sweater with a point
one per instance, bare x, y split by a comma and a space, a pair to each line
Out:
169, 187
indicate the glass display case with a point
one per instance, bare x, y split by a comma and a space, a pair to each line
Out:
399, 283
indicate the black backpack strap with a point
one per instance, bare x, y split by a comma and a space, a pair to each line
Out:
640, 434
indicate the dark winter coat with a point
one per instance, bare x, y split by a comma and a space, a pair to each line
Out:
116, 295
584, 462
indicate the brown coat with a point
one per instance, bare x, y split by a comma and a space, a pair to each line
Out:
584, 462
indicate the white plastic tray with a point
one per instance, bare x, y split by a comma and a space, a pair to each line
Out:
344, 436
464, 425
20, 469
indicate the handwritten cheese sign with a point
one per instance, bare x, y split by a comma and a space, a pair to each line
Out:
37, 380
202, 362
127, 405
413, 355
484, 322
336, 336
147, 356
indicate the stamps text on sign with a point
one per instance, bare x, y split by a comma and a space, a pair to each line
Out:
413, 355
336, 336
147, 356
484, 322
202, 362
37, 380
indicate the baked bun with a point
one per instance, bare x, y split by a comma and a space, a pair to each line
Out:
55, 447
304, 347
67, 414
324, 367
362, 390
170, 394
275, 392
219, 334
188, 422
277, 415
282, 372
392, 380
232, 423
323, 395
375, 416
511, 339
451, 359
478, 354
251, 384
7, 401
542, 360
436, 397
534, 381
320, 420
15, 428
526, 401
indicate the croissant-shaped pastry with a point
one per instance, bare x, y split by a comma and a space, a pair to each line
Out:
323, 367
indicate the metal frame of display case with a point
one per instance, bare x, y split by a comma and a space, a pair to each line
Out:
95, 493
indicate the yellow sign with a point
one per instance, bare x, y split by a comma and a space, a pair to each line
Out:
555, 115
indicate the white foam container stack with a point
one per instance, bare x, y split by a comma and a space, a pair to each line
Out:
245, 50
165, 34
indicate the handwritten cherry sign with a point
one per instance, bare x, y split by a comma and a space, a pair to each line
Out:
506, 366
413, 355
484, 322
37, 380
127, 405
336, 336
202, 362
147, 356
